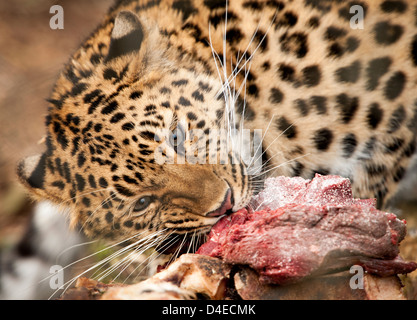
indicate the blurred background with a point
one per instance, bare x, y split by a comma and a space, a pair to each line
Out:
31, 56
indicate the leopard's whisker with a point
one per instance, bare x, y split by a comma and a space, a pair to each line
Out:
155, 255
179, 248
75, 246
283, 163
265, 165
230, 110
165, 245
271, 166
136, 252
236, 71
277, 137
67, 284
191, 242
96, 253
256, 48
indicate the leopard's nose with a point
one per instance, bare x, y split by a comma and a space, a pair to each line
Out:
226, 205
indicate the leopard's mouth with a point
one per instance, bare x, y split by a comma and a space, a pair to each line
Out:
225, 207
190, 241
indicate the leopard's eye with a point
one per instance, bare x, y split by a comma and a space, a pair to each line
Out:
142, 203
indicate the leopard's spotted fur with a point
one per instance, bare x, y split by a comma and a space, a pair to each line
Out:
330, 99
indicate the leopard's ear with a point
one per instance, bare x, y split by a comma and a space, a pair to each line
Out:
127, 35
31, 172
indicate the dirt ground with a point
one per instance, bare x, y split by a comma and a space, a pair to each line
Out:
31, 56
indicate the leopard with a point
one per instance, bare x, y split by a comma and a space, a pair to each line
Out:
332, 93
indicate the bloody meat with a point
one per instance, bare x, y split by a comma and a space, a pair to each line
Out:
301, 228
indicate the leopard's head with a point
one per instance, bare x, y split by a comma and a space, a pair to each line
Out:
129, 116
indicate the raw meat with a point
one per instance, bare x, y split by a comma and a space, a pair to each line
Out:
302, 228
